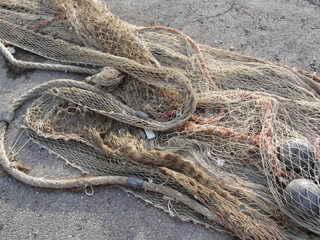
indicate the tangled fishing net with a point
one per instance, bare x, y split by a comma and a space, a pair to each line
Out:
213, 137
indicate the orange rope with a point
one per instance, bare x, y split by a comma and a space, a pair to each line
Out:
208, 120
191, 127
45, 22
193, 43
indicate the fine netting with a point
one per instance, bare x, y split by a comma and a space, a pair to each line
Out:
209, 136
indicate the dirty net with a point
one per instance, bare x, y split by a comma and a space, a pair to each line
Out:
209, 136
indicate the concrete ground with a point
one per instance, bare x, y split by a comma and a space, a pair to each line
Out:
283, 31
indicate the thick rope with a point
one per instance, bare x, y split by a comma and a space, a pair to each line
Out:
44, 66
81, 182
94, 181
160, 77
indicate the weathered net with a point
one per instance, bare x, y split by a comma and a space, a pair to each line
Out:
217, 138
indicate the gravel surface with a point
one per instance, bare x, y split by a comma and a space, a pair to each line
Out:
284, 31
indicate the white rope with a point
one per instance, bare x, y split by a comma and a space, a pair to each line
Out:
44, 66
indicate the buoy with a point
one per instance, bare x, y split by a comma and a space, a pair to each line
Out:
302, 197
298, 155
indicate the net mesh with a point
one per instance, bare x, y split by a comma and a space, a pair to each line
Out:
237, 137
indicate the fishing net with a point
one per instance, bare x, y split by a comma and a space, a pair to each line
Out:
209, 136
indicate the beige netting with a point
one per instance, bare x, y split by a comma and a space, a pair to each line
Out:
213, 137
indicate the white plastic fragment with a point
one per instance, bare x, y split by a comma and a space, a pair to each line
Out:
150, 134
220, 162
11, 50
